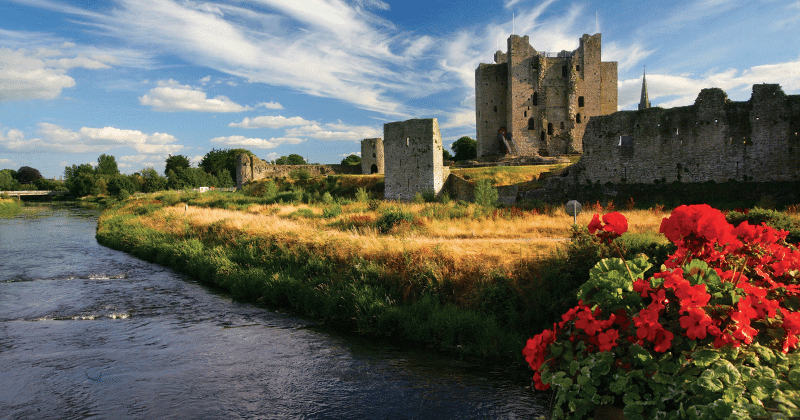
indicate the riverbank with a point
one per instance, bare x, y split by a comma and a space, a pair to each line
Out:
9, 207
425, 279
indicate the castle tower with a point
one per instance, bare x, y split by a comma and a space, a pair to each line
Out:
372, 156
532, 103
644, 102
414, 161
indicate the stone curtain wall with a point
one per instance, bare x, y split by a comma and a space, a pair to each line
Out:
712, 140
413, 154
250, 168
543, 100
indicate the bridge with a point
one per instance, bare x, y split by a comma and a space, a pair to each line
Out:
20, 194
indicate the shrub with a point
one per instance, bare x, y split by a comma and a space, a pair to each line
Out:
362, 195
327, 198
331, 211
485, 194
429, 196
391, 218
444, 197
418, 199
300, 174
374, 204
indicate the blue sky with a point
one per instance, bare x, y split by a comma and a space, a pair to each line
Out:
142, 79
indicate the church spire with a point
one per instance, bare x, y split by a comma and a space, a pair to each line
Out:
644, 102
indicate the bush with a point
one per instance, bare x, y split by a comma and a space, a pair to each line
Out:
362, 195
392, 217
331, 211
418, 199
327, 198
300, 174
772, 218
485, 194
444, 197
374, 204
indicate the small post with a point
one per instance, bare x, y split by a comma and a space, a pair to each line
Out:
573, 208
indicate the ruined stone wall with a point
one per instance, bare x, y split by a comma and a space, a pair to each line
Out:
548, 98
372, 156
251, 168
413, 153
713, 140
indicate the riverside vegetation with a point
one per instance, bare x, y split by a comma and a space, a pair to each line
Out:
468, 278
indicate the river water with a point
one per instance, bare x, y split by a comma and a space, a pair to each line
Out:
89, 332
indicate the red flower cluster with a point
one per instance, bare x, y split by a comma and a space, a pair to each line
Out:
763, 268
613, 225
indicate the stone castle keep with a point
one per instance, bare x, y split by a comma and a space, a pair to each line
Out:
713, 140
532, 103
414, 163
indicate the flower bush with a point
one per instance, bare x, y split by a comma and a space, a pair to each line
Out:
715, 334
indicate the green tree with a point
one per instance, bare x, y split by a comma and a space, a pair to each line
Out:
107, 165
119, 183
446, 155
81, 180
190, 178
28, 175
217, 161
152, 181
293, 159
8, 180
176, 163
352, 160
465, 148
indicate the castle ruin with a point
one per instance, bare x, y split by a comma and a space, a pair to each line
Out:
713, 140
532, 103
372, 156
413, 154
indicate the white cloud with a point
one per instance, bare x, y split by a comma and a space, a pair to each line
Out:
271, 105
171, 96
54, 138
267, 121
626, 57
7, 163
22, 76
335, 131
242, 141
460, 118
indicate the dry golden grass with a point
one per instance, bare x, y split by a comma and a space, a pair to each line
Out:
497, 244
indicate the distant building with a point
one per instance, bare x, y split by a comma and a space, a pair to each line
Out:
532, 103
644, 102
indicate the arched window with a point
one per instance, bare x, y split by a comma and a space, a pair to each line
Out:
580, 101
578, 118
531, 124
373, 169
562, 125
549, 129
535, 98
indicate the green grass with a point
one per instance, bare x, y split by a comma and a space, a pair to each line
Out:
9, 207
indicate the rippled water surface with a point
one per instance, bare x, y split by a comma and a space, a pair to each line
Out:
88, 332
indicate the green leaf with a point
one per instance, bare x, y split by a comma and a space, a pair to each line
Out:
794, 376
705, 357
640, 356
574, 366
726, 372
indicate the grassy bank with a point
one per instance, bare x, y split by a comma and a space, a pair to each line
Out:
9, 207
454, 276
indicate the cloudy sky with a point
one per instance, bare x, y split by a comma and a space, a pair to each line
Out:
142, 79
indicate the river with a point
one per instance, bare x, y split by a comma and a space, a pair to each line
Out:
89, 332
